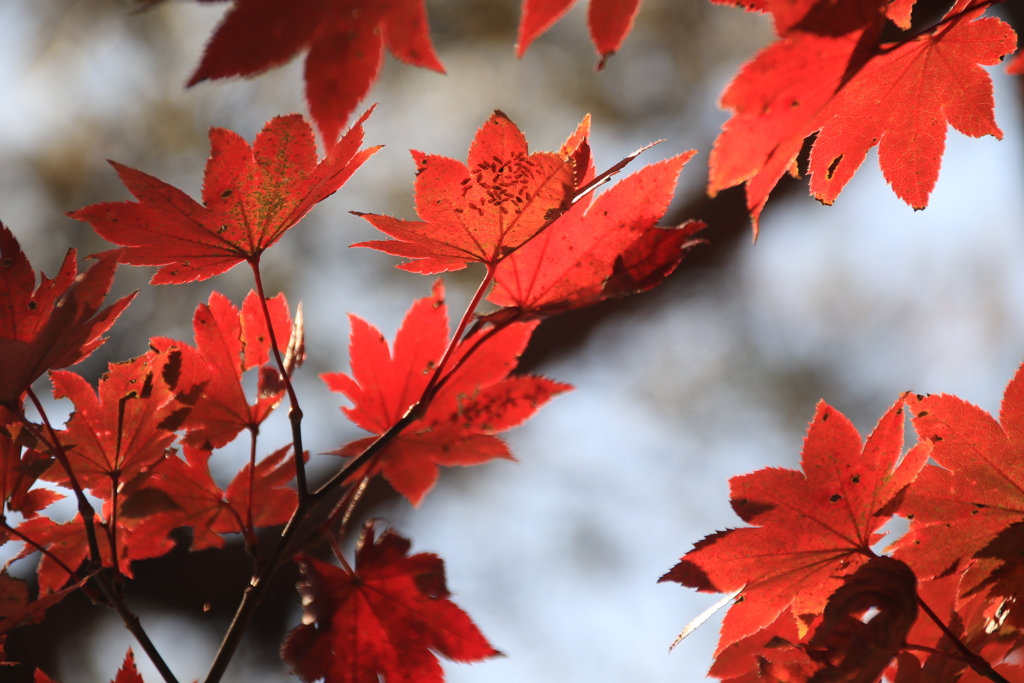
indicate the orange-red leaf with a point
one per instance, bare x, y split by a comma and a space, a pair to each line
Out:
599, 249
974, 496
939, 81
477, 399
482, 212
386, 620
54, 325
813, 527
251, 197
345, 39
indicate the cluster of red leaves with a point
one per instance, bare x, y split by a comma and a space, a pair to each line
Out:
830, 73
806, 573
142, 441
344, 42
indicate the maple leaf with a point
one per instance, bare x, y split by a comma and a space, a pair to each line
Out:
345, 39
477, 399
123, 429
608, 247
385, 619
181, 493
813, 527
228, 344
829, 73
482, 212
610, 21
964, 505
251, 197
940, 81
54, 325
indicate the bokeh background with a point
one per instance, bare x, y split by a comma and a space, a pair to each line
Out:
555, 557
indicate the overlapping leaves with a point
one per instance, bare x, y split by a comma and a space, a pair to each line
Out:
807, 574
829, 73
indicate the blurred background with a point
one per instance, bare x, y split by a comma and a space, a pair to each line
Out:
716, 373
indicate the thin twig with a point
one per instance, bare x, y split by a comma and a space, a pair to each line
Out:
258, 585
134, 625
88, 514
85, 509
294, 411
53, 558
249, 530
428, 392
978, 663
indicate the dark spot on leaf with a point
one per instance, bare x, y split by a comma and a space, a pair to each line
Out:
225, 194
824, 416
856, 479
7, 262
147, 387
922, 413
173, 422
936, 438
32, 305
836, 498
833, 166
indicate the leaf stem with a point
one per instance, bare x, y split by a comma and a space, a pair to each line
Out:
249, 532
978, 663
431, 388
294, 411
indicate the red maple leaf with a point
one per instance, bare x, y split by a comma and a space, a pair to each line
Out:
387, 618
251, 197
181, 493
54, 325
125, 428
482, 212
228, 344
813, 527
608, 247
829, 73
345, 39
610, 21
477, 399
971, 504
